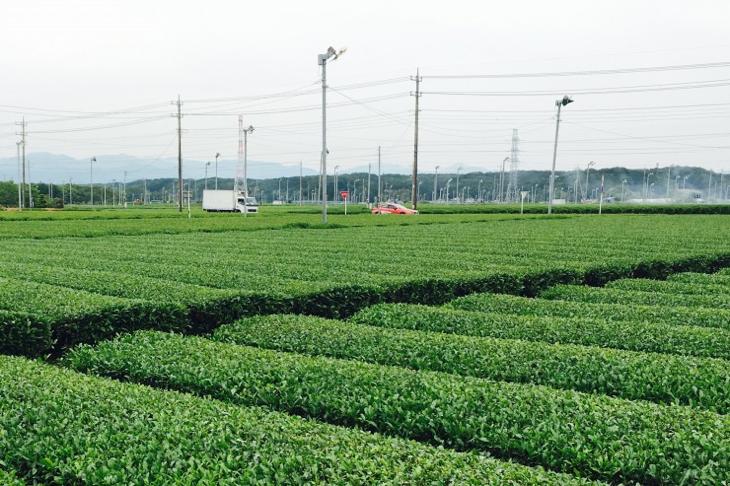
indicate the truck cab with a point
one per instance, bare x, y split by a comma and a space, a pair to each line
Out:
247, 205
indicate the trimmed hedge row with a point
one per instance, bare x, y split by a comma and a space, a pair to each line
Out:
594, 436
512, 304
698, 382
701, 278
24, 334
60, 427
610, 295
627, 335
76, 316
672, 287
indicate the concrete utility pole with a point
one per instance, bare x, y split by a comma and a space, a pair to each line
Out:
246, 131
588, 171
20, 178
435, 181
501, 181
91, 177
179, 156
23, 126
368, 194
414, 182
217, 155
322, 61
559, 103
207, 164
380, 185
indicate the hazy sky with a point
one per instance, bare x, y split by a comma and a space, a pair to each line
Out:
64, 62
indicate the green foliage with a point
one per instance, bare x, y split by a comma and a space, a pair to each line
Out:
652, 314
698, 382
599, 437
24, 334
60, 427
718, 292
77, 316
649, 297
627, 335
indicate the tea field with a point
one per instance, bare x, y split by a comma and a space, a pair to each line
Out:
141, 347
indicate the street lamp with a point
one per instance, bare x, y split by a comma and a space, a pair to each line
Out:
435, 181
216, 169
458, 170
322, 61
559, 103
91, 178
623, 185
501, 180
447, 190
207, 164
479, 190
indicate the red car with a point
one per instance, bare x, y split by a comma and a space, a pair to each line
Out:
392, 208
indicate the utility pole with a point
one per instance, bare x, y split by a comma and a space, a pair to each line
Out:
669, 180
559, 103
501, 181
124, 191
144, 194
435, 182
368, 194
322, 61
380, 184
20, 178
414, 182
179, 155
23, 126
301, 186
91, 178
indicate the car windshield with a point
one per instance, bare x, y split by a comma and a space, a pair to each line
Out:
251, 201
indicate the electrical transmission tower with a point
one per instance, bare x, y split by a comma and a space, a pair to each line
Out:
512, 187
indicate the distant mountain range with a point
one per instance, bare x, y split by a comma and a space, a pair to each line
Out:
58, 168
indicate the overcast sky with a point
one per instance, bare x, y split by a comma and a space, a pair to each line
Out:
63, 62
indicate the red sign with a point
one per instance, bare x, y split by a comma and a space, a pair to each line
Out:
344, 194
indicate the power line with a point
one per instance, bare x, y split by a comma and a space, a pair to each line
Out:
679, 67
608, 90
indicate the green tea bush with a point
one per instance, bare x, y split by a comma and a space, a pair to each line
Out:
595, 436
61, 427
653, 314
698, 382
627, 335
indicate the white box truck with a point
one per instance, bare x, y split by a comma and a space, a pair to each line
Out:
226, 200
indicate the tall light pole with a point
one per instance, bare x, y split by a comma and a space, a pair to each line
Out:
217, 155
207, 164
447, 190
479, 190
435, 181
559, 103
91, 178
623, 186
322, 61
458, 171
588, 170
